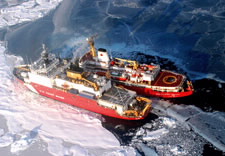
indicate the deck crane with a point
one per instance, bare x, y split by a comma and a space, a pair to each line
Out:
134, 63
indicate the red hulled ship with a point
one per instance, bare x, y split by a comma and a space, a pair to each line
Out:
63, 80
142, 78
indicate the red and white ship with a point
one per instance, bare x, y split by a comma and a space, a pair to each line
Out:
62, 80
142, 78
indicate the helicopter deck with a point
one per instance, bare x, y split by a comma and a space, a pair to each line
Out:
168, 79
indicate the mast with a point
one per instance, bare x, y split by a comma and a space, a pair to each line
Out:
44, 53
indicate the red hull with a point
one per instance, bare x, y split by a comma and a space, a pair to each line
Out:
79, 101
119, 78
150, 92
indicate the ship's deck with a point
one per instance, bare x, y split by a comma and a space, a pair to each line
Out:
168, 79
118, 96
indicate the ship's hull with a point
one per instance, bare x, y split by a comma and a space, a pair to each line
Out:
120, 81
150, 92
76, 100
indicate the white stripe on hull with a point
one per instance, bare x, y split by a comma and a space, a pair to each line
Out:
29, 86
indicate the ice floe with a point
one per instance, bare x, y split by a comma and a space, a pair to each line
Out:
151, 135
27, 11
6, 139
210, 126
23, 143
164, 136
169, 122
142, 148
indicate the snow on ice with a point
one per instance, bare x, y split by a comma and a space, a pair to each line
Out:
27, 11
6, 140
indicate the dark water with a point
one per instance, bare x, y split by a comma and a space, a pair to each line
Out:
186, 36
192, 32
25, 40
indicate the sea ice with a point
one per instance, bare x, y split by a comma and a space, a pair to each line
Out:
25, 141
76, 150
21, 145
26, 11
177, 150
167, 136
1, 132
151, 135
171, 123
182, 112
210, 126
168, 140
6, 139
147, 151
123, 151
